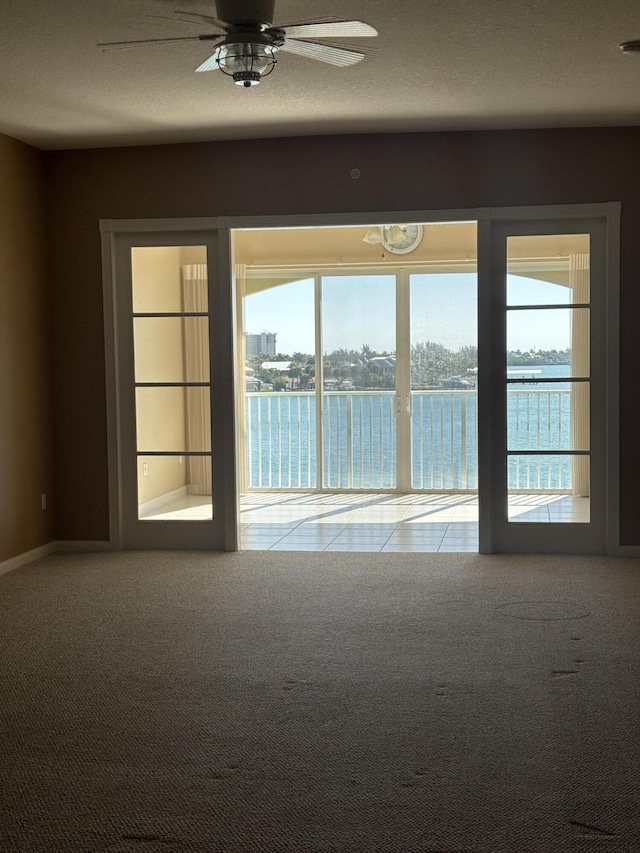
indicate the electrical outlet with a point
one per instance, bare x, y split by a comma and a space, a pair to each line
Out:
43, 501
145, 469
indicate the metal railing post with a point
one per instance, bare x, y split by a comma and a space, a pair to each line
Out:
349, 443
463, 440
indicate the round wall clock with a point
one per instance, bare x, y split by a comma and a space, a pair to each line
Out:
401, 239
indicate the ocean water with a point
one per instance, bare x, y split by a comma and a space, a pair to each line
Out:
359, 438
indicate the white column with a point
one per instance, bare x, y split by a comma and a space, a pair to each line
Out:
196, 366
240, 276
579, 283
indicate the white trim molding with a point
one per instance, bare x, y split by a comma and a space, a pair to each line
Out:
154, 504
28, 557
54, 547
219, 231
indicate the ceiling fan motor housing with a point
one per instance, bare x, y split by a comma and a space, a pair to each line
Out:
246, 11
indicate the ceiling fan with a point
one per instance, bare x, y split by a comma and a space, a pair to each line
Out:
246, 41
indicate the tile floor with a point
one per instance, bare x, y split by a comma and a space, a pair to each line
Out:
348, 522
286, 521
412, 522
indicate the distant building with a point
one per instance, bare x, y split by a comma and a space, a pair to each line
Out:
262, 344
384, 362
276, 365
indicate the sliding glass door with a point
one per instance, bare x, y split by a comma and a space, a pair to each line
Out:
360, 381
360, 404
443, 376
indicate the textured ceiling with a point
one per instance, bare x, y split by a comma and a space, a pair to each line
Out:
448, 65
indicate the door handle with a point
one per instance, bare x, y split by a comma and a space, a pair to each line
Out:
407, 405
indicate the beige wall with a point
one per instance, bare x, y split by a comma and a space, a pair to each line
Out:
337, 246
165, 474
26, 454
432, 171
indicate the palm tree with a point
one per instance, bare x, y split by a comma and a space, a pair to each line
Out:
295, 374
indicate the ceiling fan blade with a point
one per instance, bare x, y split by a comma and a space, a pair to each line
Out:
334, 55
331, 29
210, 64
122, 45
330, 19
193, 18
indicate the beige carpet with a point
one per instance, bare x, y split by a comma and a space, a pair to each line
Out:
338, 703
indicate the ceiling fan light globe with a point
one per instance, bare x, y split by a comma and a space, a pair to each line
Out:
394, 233
246, 62
373, 236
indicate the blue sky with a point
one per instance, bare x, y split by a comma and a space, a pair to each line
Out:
360, 310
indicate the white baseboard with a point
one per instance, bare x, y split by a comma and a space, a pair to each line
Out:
154, 504
28, 557
55, 547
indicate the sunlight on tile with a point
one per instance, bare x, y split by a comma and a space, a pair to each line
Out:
384, 522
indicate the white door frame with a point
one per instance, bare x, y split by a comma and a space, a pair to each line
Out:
126, 531
497, 533
224, 362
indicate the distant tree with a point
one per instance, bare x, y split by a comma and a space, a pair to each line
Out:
432, 363
295, 374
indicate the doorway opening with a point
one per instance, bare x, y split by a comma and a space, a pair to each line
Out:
357, 363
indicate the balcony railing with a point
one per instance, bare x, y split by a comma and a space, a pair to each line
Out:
359, 440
